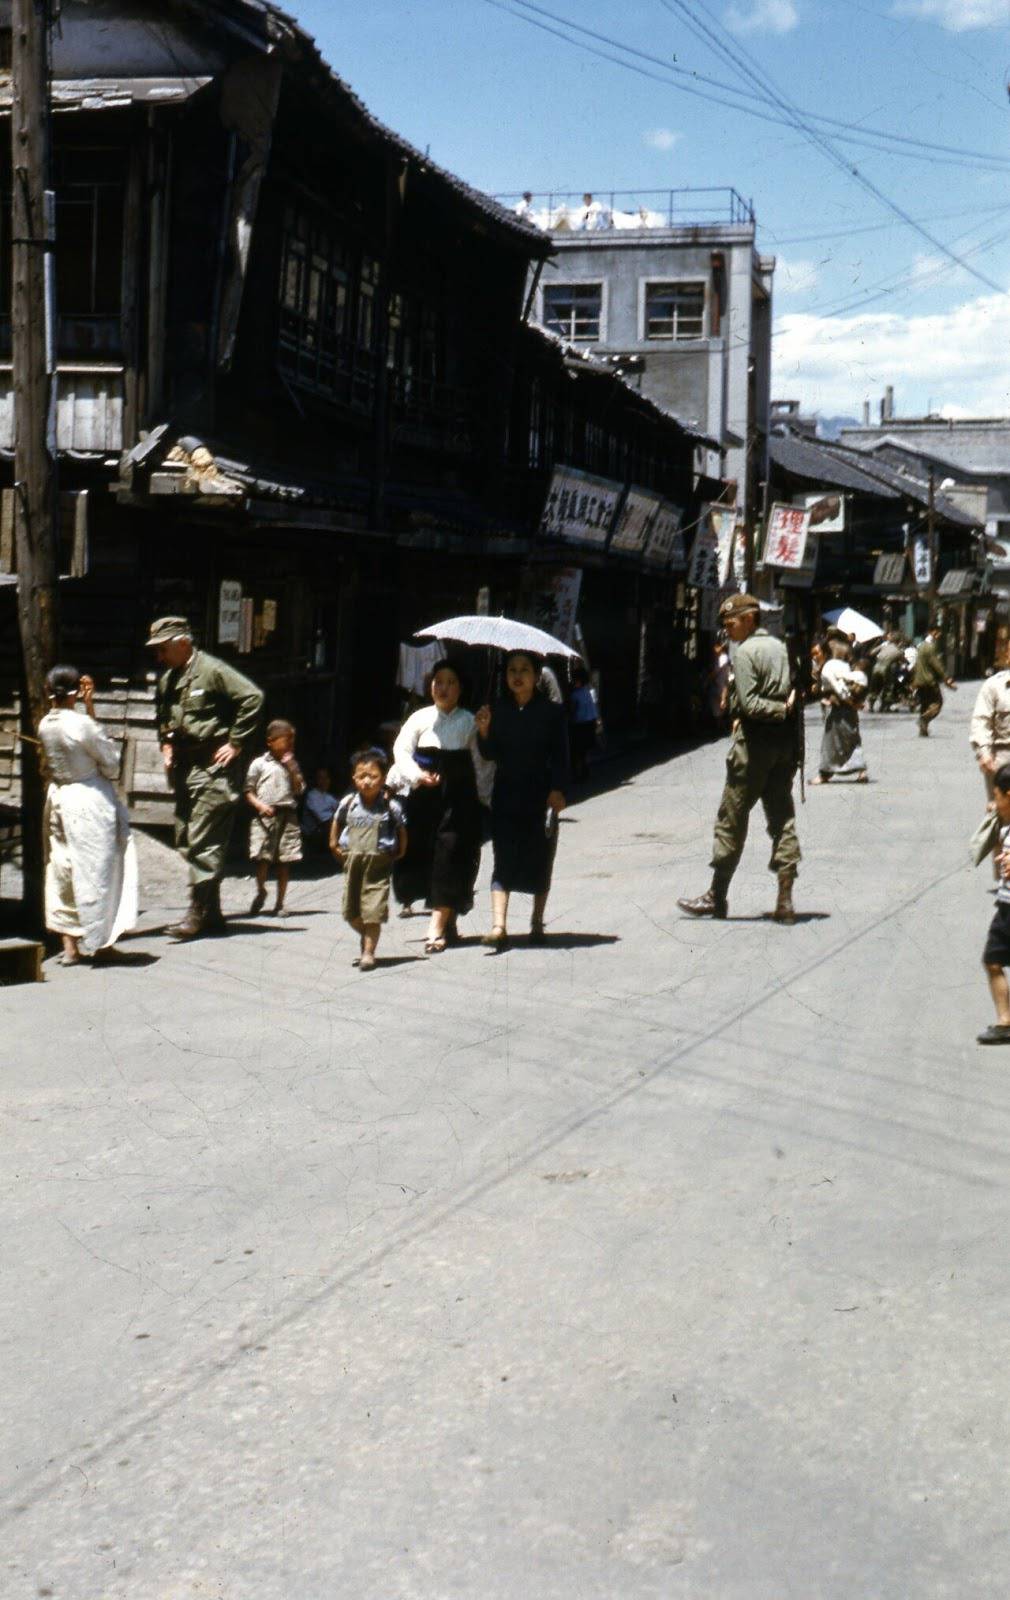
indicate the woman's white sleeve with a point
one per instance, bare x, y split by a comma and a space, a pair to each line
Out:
404, 747
104, 749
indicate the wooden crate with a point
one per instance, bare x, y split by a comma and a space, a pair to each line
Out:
20, 961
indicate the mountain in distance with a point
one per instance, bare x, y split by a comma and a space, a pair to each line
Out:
831, 427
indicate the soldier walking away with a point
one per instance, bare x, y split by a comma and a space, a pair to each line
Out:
206, 713
930, 672
761, 764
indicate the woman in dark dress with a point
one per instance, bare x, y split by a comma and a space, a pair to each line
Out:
434, 756
527, 738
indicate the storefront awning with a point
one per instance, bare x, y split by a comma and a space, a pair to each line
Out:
957, 584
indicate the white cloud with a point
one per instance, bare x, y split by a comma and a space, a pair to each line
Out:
764, 16
661, 138
951, 361
957, 15
795, 277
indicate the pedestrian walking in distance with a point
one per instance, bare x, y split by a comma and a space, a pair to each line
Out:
91, 868
367, 835
842, 745
526, 735
996, 955
761, 764
930, 672
273, 785
207, 712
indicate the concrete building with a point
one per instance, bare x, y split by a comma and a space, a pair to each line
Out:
968, 456
671, 287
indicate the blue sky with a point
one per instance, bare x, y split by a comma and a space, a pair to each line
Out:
509, 107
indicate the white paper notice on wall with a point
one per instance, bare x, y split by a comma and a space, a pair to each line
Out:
229, 611
920, 560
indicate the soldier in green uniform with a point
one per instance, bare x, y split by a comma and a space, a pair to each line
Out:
761, 764
206, 713
929, 673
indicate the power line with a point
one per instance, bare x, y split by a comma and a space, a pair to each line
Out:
748, 68
877, 227
878, 139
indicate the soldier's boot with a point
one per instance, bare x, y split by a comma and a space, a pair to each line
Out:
193, 924
784, 911
713, 903
213, 919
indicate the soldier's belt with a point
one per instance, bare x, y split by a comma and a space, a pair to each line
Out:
196, 751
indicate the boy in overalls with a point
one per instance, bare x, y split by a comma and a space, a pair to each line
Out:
367, 835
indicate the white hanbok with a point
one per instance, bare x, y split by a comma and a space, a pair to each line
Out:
91, 866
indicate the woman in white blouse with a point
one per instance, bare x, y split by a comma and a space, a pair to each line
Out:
435, 754
91, 869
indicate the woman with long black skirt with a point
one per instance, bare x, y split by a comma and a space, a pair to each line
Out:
434, 754
525, 735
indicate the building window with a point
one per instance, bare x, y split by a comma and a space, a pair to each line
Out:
675, 311
327, 310
90, 189
574, 310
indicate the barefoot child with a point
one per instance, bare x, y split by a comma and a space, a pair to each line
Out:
367, 835
272, 786
996, 955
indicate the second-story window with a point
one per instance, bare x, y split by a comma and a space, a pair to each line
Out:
90, 185
327, 309
675, 311
574, 310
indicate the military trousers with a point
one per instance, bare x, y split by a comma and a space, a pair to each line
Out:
205, 803
761, 765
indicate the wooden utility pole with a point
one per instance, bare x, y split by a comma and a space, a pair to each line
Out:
34, 361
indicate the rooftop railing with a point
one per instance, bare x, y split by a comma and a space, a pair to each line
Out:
629, 210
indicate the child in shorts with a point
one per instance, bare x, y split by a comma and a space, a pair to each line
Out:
367, 835
272, 786
996, 956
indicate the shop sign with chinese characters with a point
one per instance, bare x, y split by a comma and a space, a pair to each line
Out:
703, 572
632, 531
580, 508
724, 525
229, 611
666, 542
786, 539
921, 560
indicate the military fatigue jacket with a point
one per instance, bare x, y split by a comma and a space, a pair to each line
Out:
761, 679
929, 668
990, 720
207, 700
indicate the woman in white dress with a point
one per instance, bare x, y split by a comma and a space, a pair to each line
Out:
91, 868
435, 756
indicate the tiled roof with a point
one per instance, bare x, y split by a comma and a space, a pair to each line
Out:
858, 471
810, 459
271, 27
584, 360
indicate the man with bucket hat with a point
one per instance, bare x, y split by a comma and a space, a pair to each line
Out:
207, 711
761, 764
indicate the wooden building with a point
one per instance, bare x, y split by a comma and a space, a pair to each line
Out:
298, 400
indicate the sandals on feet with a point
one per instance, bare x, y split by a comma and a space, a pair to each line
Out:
434, 947
497, 939
537, 934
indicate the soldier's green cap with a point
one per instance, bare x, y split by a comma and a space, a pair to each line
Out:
165, 629
737, 605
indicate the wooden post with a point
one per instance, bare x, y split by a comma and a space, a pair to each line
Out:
34, 362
